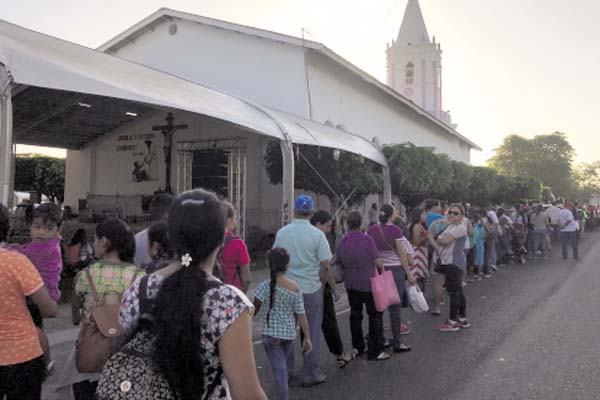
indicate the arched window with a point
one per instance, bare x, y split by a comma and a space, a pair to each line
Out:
409, 73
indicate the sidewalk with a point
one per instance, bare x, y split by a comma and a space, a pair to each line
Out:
62, 334
60, 330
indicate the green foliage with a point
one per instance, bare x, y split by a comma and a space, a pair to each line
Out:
41, 174
484, 186
462, 175
418, 172
587, 181
349, 173
547, 158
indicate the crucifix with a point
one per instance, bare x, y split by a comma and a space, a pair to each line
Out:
168, 131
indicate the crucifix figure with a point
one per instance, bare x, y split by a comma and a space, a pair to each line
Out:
168, 131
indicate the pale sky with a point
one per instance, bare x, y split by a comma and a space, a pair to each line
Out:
510, 66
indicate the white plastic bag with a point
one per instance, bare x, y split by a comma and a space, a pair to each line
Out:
417, 300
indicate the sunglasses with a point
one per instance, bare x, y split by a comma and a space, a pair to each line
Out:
454, 213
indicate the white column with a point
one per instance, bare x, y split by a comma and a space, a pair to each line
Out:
6, 145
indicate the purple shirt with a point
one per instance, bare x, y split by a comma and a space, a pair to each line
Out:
386, 243
357, 252
47, 259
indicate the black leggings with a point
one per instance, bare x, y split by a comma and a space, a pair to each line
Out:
458, 303
23, 381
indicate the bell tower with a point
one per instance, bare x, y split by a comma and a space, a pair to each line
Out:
414, 64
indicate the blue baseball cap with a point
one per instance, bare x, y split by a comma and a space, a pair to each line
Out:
303, 204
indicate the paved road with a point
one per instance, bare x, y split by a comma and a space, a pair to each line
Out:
533, 336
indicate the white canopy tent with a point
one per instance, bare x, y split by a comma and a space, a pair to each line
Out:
36, 60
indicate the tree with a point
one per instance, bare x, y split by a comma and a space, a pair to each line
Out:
547, 158
320, 170
587, 181
462, 174
418, 172
41, 174
484, 186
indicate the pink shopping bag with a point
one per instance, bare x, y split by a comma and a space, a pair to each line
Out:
384, 290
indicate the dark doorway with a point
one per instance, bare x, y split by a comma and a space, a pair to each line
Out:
210, 171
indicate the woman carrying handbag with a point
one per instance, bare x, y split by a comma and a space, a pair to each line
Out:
388, 239
360, 259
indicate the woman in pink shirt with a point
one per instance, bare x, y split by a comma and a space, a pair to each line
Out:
234, 258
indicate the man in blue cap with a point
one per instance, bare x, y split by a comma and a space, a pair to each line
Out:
310, 256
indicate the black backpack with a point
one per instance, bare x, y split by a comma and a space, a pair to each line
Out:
130, 373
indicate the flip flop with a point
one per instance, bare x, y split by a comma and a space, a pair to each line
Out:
343, 359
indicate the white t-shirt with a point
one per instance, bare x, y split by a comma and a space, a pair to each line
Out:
454, 253
492, 216
565, 216
553, 213
141, 249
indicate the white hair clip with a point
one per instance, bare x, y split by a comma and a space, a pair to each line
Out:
192, 202
186, 259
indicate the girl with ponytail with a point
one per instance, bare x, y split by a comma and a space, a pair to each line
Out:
203, 345
285, 303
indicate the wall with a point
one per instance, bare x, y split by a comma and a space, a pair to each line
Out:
273, 74
116, 152
344, 98
77, 176
268, 72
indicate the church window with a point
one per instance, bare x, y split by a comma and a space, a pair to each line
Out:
409, 73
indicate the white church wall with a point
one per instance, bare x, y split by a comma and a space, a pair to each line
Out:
116, 152
77, 176
265, 71
345, 99
273, 74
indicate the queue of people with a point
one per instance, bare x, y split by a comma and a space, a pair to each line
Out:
178, 289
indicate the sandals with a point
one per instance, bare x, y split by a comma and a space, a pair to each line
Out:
344, 358
381, 357
403, 348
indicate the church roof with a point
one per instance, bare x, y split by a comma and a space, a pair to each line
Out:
413, 30
165, 14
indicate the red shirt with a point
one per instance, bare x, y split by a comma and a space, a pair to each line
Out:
233, 257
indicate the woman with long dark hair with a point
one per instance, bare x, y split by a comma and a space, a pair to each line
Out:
388, 239
418, 239
203, 342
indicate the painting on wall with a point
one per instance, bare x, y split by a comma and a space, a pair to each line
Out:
142, 148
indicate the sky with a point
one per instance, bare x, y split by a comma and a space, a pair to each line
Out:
512, 66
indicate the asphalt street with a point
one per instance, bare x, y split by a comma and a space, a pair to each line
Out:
533, 336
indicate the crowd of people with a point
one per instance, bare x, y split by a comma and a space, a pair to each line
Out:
171, 301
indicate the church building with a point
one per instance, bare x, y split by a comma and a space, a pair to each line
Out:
210, 95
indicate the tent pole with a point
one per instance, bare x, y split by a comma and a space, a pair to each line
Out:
6, 145
287, 200
387, 185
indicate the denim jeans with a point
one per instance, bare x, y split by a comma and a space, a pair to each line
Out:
555, 234
357, 300
278, 351
313, 307
502, 249
489, 254
454, 280
330, 326
569, 238
395, 311
539, 242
